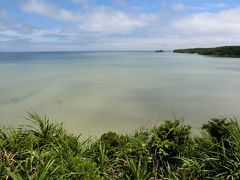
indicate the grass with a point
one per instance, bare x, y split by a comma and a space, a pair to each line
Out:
45, 150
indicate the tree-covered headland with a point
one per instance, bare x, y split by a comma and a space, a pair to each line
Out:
224, 51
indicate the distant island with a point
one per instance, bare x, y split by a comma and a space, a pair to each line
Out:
157, 51
223, 51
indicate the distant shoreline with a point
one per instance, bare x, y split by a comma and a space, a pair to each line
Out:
72, 51
223, 51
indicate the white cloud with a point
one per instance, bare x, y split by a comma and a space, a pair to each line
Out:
107, 28
46, 9
110, 20
4, 21
225, 22
10, 28
95, 19
82, 2
178, 6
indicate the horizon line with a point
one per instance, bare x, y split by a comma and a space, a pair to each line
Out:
55, 51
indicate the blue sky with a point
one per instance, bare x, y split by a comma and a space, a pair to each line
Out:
65, 25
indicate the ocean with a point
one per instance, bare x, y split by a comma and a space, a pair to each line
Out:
97, 92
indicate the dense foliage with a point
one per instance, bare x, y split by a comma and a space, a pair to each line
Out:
168, 151
225, 51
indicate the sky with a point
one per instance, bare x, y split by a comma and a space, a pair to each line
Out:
109, 25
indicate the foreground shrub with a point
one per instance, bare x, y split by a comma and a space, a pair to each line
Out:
167, 142
45, 150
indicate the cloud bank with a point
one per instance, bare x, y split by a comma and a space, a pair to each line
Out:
88, 25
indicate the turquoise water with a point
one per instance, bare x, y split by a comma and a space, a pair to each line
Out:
94, 92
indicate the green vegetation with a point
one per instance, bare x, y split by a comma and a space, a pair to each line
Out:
224, 51
157, 51
168, 151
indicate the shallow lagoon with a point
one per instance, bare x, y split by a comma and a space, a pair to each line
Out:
94, 92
